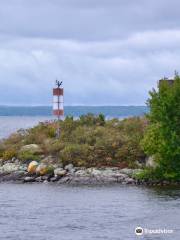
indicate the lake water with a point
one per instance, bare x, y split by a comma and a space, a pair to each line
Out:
14, 118
51, 212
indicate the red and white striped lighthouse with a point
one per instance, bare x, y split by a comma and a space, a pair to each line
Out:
58, 100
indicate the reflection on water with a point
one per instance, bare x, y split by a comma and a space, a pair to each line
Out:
40, 211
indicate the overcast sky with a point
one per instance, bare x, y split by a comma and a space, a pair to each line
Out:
107, 52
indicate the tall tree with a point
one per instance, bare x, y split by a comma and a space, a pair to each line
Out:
162, 138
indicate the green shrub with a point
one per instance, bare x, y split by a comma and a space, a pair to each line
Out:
75, 154
158, 174
28, 156
9, 154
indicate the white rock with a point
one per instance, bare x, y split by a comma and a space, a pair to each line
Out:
59, 172
69, 167
81, 173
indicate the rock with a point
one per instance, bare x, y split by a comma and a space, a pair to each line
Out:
23, 167
121, 177
39, 179
46, 181
45, 177
43, 169
108, 172
150, 162
65, 179
82, 173
54, 179
94, 171
9, 167
129, 181
33, 148
13, 160
59, 172
29, 179
17, 161
13, 176
127, 171
32, 167
83, 180
69, 167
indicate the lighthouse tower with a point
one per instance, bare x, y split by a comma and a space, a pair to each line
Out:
58, 104
58, 100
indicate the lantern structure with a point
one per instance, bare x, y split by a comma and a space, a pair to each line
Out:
58, 103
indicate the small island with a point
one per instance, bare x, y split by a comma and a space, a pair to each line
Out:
93, 150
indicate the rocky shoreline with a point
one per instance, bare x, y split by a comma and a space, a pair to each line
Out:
14, 171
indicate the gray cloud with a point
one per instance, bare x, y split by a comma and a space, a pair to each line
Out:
107, 52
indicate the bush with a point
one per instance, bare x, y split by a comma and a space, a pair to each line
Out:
27, 156
9, 154
75, 154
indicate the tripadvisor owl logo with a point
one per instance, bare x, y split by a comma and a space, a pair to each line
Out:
139, 231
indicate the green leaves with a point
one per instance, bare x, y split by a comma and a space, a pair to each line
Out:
162, 138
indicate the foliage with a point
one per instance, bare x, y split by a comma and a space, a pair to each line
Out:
157, 174
9, 154
26, 156
162, 138
88, 141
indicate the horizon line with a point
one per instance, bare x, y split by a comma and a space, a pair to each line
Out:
78, 105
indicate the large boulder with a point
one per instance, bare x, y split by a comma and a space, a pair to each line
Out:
33, 148
60, 172
44, 169
32, 167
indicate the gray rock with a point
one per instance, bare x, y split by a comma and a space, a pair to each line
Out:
39, 179
127, 171
46, 181
81, 173
29, 179
94, 171
54, 179
13, 160
69, 167
59, 172
14, 176
129, 181
64, 180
